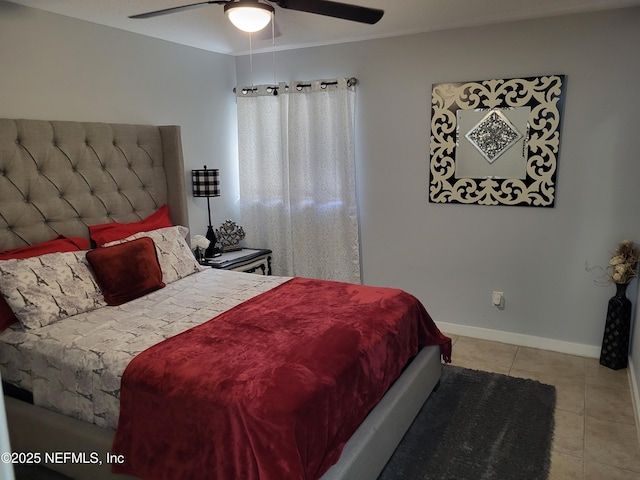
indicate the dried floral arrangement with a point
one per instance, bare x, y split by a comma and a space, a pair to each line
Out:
623, 265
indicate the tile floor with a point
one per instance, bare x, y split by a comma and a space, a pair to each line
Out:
595, 436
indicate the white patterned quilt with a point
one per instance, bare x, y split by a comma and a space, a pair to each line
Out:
74, 366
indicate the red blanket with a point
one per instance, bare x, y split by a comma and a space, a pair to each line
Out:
271, 389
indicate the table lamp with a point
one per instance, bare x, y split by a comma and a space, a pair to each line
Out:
206, 183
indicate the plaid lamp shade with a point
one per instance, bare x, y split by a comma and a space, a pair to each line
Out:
206, 183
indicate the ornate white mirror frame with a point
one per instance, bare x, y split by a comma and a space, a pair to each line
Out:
496, 142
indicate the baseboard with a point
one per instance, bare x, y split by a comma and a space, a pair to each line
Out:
635, 395
522, 340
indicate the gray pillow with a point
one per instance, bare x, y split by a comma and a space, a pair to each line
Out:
42, 290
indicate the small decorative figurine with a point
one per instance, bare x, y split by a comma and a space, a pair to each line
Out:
229, 235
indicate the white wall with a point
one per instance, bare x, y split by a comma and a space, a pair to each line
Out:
57, 68
453, 256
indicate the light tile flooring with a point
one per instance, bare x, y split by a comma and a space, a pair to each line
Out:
595, 435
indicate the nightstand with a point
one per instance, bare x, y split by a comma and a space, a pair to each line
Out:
247, 260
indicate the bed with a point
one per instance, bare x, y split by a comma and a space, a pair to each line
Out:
59, 178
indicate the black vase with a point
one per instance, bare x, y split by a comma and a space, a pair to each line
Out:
615, 342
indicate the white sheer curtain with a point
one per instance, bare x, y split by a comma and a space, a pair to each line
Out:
297, 177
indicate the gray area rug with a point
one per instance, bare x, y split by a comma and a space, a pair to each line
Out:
478, 425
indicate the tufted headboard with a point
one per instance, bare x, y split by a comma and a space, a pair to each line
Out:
58, 177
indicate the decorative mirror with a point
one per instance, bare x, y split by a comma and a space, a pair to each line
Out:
496, 142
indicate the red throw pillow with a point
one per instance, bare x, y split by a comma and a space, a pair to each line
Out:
58, 244
110, 232
7, 317
126, 271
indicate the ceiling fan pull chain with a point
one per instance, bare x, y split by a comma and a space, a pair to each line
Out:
250, 61
273, 53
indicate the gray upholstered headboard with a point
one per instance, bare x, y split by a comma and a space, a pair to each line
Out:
58, 177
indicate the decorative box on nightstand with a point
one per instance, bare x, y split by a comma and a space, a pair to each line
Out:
247, 260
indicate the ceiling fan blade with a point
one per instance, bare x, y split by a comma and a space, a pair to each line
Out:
177, 9
345, 11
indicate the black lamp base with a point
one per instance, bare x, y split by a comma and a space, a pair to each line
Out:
211, 249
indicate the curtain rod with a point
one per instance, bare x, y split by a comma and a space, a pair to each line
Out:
351, 82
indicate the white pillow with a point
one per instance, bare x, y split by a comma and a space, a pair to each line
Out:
175, 257
42, 290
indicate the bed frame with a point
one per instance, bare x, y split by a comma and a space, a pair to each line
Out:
58, 178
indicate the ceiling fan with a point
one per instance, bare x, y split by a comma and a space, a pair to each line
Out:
259, 14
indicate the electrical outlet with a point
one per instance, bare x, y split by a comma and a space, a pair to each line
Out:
496, 299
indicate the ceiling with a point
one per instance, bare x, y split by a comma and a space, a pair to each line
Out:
207, 27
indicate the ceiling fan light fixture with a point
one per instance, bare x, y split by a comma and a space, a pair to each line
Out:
249, 16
